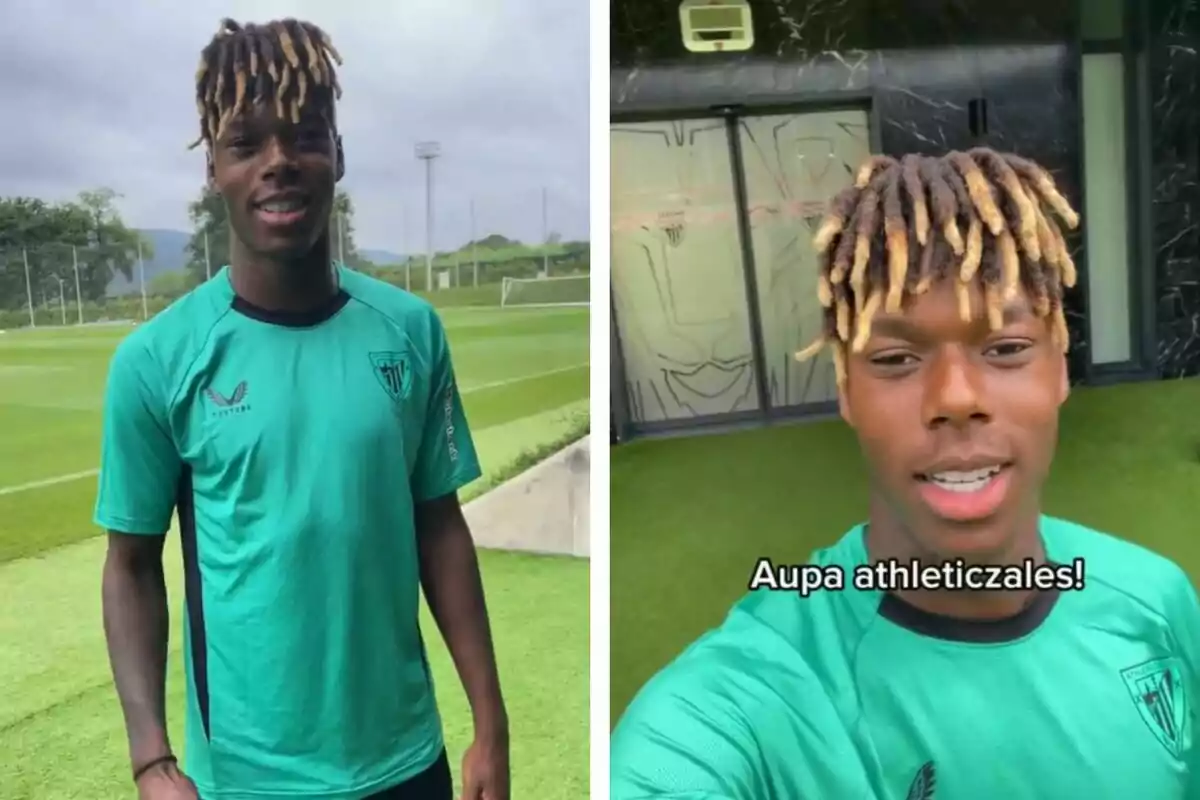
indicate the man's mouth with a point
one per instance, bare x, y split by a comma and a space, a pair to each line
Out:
282, 211
964, 481
966, 493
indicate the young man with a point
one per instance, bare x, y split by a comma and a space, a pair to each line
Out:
304, 422
942, 279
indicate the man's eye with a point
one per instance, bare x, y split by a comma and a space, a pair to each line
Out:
1008, 349
311, 136
894, 360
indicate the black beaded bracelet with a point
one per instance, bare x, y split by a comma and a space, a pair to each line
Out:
144, 768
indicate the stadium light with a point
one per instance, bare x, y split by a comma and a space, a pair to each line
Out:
427, 152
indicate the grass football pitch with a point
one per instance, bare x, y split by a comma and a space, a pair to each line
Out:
524, 379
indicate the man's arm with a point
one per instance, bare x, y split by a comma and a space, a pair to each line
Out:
136, 622
139, 472
446, 461
454, 590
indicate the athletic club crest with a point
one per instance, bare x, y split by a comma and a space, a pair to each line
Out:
393, 372
1160, 696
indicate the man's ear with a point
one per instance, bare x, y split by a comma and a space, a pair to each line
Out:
1064, 389
844, 407
341, 159
842, 399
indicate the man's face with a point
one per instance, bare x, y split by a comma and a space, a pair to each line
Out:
958, 423
278, 180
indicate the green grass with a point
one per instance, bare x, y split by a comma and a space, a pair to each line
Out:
129, 307
524, 379
1128, 463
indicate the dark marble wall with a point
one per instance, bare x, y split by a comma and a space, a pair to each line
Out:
647, 31
1174, 35
922, 62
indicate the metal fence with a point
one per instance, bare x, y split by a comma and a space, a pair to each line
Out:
471, 240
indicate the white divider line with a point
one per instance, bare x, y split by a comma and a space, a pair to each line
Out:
87, 473
74, 476
521, 378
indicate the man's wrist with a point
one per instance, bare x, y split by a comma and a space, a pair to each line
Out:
154, 764
492, 725
149, 748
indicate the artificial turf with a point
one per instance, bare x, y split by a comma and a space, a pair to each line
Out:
690, 516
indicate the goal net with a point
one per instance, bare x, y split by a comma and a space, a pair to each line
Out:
563, 290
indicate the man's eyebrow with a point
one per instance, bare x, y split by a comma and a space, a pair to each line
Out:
902, 327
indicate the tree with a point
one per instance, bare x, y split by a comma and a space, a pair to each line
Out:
344, 248
48, 238
170, 284
210, 216
112, 247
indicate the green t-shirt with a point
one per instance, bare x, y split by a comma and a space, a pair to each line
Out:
854, 695
294, 448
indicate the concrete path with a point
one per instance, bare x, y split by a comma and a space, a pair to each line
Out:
542, 510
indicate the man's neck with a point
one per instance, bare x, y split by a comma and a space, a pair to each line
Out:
293, 285
887, 540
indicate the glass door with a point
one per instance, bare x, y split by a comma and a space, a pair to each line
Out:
794, 165
679, 290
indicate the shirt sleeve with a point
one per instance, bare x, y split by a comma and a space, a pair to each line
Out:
446, 458
1186, 624
140, 465
678, 741
733, 719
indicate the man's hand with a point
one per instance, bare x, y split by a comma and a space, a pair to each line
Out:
166, 782
485, 769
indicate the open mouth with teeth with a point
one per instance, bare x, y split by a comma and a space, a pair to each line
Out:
966, 494
964, 481
282, 212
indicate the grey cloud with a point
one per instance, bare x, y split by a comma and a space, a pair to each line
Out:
103, 96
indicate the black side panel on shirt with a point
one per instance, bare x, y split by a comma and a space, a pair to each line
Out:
185, 506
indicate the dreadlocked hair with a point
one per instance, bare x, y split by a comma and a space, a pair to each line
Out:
285, 62
907, 223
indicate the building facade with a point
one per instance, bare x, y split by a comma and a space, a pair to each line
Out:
723, 162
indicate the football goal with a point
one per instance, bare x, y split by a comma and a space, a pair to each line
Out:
552, 292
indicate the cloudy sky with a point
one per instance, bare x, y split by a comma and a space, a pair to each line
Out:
99, 94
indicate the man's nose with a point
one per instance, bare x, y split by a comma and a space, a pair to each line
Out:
280, 158
953, 394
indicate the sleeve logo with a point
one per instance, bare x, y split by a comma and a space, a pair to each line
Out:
451, 447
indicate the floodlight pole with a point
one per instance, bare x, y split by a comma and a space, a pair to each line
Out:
427, 152
474, 249
341, 240
142, 279
404, 248
28, 288
78, 294
545, 238
207, 259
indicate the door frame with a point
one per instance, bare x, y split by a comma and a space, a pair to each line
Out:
766, 414
1142, 291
